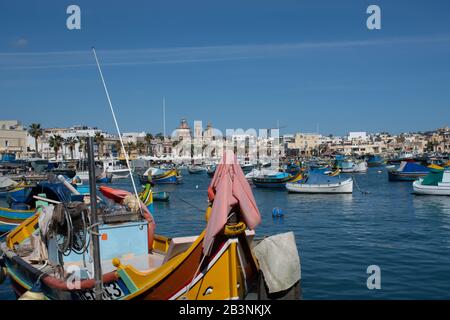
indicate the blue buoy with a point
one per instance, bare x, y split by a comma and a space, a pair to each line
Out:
277, 212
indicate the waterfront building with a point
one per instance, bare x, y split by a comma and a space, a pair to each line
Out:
13, 138
305, 143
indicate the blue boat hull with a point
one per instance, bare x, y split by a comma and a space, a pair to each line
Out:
395, 176
104, 180
272, 185
19, 195
171, 179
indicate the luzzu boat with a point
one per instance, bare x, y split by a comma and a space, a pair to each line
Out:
316, 181
19, 193
6, 185
375, 161
160, 176
220, 263
276, 181
10, 218
408, 171
195, 169
436, 183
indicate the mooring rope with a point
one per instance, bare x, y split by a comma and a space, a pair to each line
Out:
187, 202
357, 186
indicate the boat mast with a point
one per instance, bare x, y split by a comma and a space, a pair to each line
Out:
118, 130
164, 117
98, 276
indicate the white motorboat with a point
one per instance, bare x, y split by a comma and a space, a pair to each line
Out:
193, 169
115, 169
261, 172
360, 167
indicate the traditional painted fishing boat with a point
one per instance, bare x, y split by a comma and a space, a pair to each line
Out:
261, 172
101, 177
6, 185
276, 181
160, 176
11, 217
375, 161
408, 171
318, 182
349, 166
161, 196
436, 183
220, 263
195, 169
19, 193
292, 168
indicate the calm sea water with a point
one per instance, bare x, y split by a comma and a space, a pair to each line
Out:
339, 236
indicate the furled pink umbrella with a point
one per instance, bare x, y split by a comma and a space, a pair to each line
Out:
229, 188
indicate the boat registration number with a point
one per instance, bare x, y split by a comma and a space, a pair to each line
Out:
111, 291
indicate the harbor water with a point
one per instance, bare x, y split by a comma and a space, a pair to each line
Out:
338, 236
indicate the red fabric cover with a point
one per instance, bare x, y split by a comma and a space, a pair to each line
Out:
227, 189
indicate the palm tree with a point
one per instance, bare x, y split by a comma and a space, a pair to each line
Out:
140, 147
148, 140
71, 142
99, 138
118, 148
56, 142
130, 147
35, 131
82, 145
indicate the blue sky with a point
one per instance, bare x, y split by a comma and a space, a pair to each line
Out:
238, 64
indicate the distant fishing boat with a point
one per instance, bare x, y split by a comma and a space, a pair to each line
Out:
161, 196
160, 176
408, 171
265, 171
436, 183
352, 167
375, 161
195, 169
116, 170
318, 182
276, 181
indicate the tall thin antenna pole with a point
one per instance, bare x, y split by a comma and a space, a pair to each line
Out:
117, 126
164, 117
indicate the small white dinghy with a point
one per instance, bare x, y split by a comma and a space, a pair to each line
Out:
437, 183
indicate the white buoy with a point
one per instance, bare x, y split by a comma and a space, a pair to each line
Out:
196, 187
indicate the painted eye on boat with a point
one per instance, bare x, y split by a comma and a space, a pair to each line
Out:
208, 291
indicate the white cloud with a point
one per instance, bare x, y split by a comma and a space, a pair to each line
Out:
148, 56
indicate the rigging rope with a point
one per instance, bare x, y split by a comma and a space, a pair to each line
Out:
357, 186
117, 127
